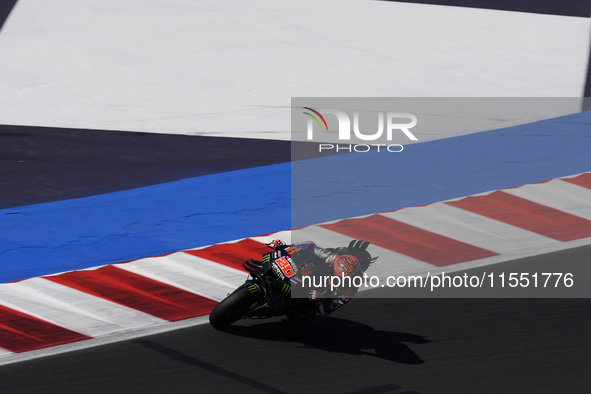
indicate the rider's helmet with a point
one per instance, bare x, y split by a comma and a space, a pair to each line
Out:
342, 265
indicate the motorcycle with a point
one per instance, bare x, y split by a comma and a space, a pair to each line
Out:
267, 290
268, 280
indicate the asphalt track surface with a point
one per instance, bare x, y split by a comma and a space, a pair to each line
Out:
43, 164
5, 9
550, 7
398, 346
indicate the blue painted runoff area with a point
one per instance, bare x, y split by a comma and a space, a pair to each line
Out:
423, 173
80, 233
109, 228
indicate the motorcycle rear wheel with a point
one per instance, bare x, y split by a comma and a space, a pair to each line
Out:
232, 308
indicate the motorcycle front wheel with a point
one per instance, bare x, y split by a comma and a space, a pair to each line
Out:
232, 308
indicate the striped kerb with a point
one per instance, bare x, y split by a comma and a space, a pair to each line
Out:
137, 292
409, 240
527, 215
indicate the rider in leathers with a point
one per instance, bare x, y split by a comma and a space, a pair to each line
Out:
310, 259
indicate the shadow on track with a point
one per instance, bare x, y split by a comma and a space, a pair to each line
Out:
337, 335
190, 360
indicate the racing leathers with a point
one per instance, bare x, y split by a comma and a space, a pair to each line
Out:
312, 260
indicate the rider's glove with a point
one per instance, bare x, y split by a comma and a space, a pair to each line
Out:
276, 244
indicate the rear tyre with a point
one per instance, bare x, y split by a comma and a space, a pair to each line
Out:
232, 308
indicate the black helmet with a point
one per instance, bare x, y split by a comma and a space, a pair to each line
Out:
358, 248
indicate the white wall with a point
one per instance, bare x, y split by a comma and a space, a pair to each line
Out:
229, 68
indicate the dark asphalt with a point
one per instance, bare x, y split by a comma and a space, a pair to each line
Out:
5, 9
399, 346
43, 164
372, 346
579, 8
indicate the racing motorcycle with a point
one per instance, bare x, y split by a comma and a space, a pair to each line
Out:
267, 290
268, 278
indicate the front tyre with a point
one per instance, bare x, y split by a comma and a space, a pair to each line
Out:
232, 308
